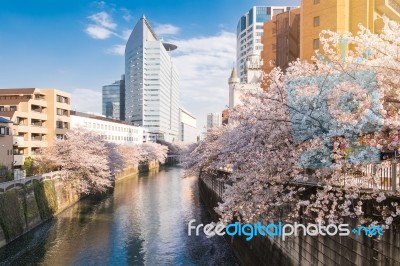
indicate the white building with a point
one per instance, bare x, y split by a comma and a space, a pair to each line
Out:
115, 131
151, 83
252, 80
187, 126
249, 32
214, 120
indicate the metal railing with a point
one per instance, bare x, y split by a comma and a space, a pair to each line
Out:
215, 182
383, 177
6, 186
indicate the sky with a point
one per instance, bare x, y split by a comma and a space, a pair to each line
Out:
77, 46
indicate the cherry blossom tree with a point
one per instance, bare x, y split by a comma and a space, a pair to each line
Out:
84, 159
294, 157
131, 154
153, 152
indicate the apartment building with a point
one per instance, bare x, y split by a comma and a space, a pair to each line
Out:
341, 15
112, 130
39, 116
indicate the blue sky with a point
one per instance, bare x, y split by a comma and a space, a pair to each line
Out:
77, 46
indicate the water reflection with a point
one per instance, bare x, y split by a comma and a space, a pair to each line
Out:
143, 223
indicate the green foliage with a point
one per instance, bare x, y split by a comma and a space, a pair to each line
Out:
28, 166
9, 176
46, 198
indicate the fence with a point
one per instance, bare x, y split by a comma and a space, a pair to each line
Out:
384, 177
26, 181
215, 182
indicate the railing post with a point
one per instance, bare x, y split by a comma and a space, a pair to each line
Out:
394, 177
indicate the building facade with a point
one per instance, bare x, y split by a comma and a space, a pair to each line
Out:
40, 116
187, 127
112, 130
214, 120
341, 15
281, 40
252, 80
113, 99
249, 32
6, 146
151, 83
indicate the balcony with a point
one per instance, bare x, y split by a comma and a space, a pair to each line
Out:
38, 109
18, 141
40, 97
390, 8
38, 137
37, 123
18, 160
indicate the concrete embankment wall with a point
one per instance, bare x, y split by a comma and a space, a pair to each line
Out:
310, 250
25, 207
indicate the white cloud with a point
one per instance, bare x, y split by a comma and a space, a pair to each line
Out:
86, 100
204, 65
125, 34
102, 26
103, 19
118, 49
97, 32
166, 29
126, 14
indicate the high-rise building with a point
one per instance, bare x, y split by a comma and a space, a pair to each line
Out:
250, 31
113, 97
151, 83
281, 40
341, 15
40, 116
187, 126
214, 120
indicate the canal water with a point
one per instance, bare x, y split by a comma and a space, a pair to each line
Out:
144, 222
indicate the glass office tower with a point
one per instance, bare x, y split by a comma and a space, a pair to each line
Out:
113, 99
249, 33
151, 82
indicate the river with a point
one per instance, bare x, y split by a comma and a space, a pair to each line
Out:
144, 222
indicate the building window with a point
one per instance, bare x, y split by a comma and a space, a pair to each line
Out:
316, 21
316, 43
316, 2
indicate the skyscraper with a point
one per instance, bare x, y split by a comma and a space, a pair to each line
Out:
113, 97
151, 94
250, 31
214, 120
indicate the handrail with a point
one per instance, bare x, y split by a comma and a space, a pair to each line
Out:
6, 186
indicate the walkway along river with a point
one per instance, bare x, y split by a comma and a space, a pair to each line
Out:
144, 222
